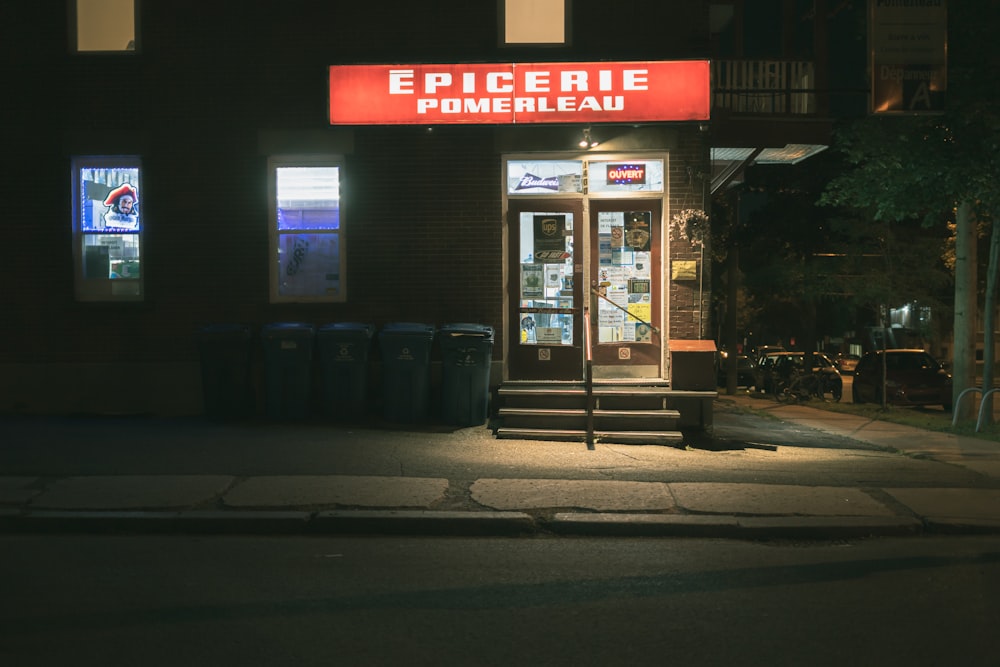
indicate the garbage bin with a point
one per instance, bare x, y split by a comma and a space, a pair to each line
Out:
406, 353
288, 349
343, 354
225, 370
467, 352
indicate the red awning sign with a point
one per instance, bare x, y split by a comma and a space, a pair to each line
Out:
502, 94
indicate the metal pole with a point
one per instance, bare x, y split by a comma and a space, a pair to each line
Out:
589, 378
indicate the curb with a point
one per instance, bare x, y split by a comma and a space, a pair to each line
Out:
483, 524
733, 527
195, 521
424, 522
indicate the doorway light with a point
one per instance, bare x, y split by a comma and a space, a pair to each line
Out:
588, 141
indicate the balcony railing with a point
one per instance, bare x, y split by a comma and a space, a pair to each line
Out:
764, 86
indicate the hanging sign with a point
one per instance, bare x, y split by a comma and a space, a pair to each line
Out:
626, 174
506, 94
909, 56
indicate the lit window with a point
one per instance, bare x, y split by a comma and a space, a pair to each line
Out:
105, 25
307, 243
107, 228
534, 21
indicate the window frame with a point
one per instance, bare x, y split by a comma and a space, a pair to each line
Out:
95, 289
274, 162
502, 28
72, 10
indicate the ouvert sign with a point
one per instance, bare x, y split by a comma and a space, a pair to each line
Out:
507, 94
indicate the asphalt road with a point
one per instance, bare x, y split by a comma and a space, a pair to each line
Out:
133, 600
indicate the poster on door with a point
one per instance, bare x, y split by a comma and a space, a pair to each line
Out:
624, 241
531, 281
550, 238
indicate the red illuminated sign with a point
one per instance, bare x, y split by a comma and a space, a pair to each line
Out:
623, 174
503, 94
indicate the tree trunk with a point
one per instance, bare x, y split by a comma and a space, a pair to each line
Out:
964, 348
989, 317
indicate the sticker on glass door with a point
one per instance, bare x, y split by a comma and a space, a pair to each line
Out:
623, 277
546, 299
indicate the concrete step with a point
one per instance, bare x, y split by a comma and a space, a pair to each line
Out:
580, 435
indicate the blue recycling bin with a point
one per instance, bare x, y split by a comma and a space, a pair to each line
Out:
406, 379
466, 353
288, 352
225, 354
343, 349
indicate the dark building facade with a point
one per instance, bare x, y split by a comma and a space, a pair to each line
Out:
219, 115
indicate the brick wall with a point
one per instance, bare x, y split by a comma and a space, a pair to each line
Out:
423, 210
689, 299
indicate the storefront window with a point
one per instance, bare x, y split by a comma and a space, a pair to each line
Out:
626, 176
306, 229
534, 21
544, 177
546, 312
107, 228
624, 278
104, 25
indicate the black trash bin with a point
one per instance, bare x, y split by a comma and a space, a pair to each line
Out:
343, 354
466, 352
288, 350
225, 370
406, 379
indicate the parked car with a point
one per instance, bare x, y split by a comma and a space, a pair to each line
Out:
913, 377
744, 370
846, 363
786, 364
762, 366
765, 350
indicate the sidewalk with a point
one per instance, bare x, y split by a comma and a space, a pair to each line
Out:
200, 477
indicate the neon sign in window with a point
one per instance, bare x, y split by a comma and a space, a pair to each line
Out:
108, 226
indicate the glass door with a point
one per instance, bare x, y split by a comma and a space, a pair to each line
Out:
625, 242
544, 290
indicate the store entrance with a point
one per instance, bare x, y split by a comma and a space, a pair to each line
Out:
545, 290
625, 286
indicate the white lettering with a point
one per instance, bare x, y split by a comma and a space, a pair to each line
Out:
921, 97
401, 82
566, 103
473, 105
520, 105
573, 81
636, 79
494, 85
433, 81
536, 82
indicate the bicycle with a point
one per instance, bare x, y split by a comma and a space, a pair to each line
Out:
802, 386
799, 387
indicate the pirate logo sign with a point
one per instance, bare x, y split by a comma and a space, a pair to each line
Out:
123, 208
637, 230
550, 238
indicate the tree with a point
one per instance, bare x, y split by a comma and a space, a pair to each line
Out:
798, 258
940, 169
